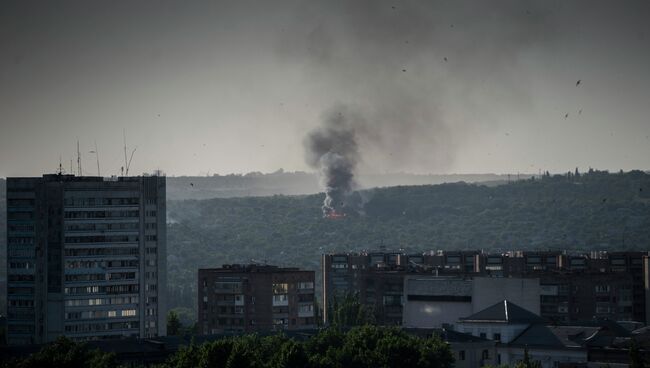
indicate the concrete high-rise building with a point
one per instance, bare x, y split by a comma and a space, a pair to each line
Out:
85, 257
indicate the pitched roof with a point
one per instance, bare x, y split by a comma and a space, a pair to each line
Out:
504, 312
556, 337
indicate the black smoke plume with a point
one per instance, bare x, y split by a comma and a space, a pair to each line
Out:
332, 149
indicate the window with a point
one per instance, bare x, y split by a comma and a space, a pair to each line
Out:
482, 335
602, 288
461, 355
485, 355
280, 288
496, 337
306, 285
281, 299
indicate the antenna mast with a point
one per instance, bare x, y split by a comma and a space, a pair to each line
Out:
60, 166
79, 159
96, 152
127, 163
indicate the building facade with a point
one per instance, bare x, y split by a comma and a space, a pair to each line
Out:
573, 287
86, 257
246, 298
439, 301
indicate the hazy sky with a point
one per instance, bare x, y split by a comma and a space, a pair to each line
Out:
234, 86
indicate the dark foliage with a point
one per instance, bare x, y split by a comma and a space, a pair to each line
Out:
64, 353
366, 346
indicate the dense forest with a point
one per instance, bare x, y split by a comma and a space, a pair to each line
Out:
297, 183
590, 211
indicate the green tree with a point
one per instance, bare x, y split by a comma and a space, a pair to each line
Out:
215, 354
527, 362
65, 353
173, 324
186, 357
350, 312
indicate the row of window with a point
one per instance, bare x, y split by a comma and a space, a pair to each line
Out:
20, 202
21, 303
101, 214
21, 216
90, 202
21, 265
100, 276
20, 228
108, 289
101, 314
283, 288
103, 226
21, 290
85, 252
23, 253
102, 301
102, 239
21, 278
22, 315
92, 327
12, 240
102, 264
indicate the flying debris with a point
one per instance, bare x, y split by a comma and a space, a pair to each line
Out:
578, 82
566, 115
445, 59
191, 184
403, 70
580, 112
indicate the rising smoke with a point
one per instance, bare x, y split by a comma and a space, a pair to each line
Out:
332, 149
421, 77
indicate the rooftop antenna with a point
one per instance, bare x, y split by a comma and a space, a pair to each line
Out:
71, 167
79, 159
60, 166
96, 152
127, 163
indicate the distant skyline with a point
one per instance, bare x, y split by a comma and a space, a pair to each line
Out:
234, 86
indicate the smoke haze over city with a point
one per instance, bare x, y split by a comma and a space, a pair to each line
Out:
235, 86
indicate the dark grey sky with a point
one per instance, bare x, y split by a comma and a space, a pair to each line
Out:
234, 86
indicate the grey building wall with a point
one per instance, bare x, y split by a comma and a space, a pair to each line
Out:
524, 292
433, 301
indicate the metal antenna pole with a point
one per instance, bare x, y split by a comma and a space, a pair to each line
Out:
79, 159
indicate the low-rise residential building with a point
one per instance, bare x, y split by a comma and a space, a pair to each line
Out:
255, 298
501, 322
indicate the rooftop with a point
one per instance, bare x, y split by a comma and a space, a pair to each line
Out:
504, 312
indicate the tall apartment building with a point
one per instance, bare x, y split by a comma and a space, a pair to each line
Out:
247, 298
85, 257
573, 287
